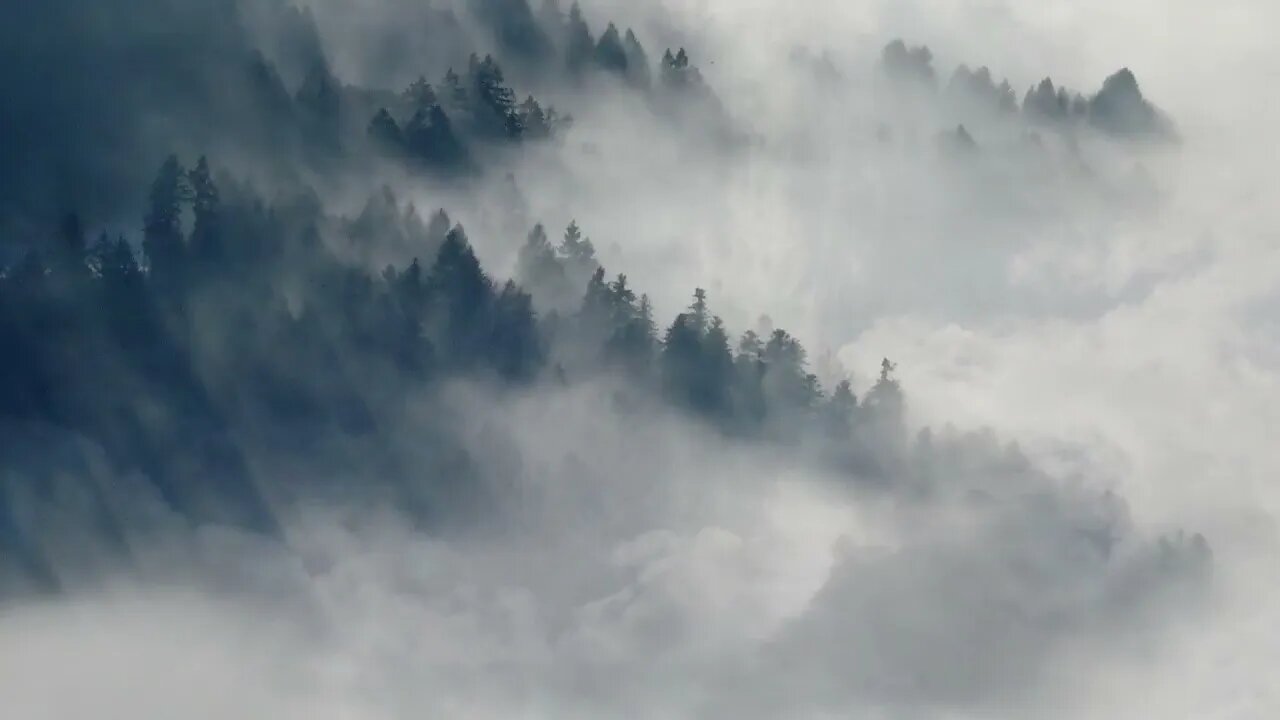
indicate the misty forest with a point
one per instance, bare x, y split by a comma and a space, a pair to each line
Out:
426, 359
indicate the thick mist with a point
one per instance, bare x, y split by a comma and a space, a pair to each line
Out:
1073, 518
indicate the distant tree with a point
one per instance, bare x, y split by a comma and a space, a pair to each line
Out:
578, 253
515, 347
320, 100
494, 104
908, 64
385, 133
1044, 103
787, 383
515, 28
638, 72
716, 371
461, 295
610, 53
579, 46
596, 318
454, 94
679, 76
538, 269
885, 399
271, 99
162, 240
1120, 109
699, 315
419, 95
429, 137
681, 358
123, 290
840, 411
533, 120
635, 339
206, 240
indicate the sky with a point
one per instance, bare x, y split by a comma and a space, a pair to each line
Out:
1124, 342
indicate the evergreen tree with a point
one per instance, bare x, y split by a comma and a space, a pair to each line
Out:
579, 254
320, 100
679, 76
515, 348
610, 53
840, 410
516, 30
788, 385
1043, 103
716, 372
579, 46
634, 342
454, 93
385, 133
540, 270
494, 104
884, 401
123, 291
637, 61
162, 241
681, 358
419, 95
461, 295
533, 120
908, 64
206, 241
429, 137
699, 315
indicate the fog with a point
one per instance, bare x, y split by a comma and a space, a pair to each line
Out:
1082, 321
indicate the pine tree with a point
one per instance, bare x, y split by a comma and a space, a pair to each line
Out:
637, 61
429, 137
162, 230
461, 295
320, 100
681, 357
419, 95
385, 133
515, 348
716, 371
454, 93
538, 267
579, 46
610, 53
884, 401
840, 409
494, 107
206, 243
579, 254
533, 120
699, 315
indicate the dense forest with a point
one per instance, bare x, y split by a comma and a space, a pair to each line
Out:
232, 327
245, 325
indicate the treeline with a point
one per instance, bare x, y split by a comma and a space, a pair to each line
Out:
1118, 109
255, 80
438, 126
428, 124
244, 326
